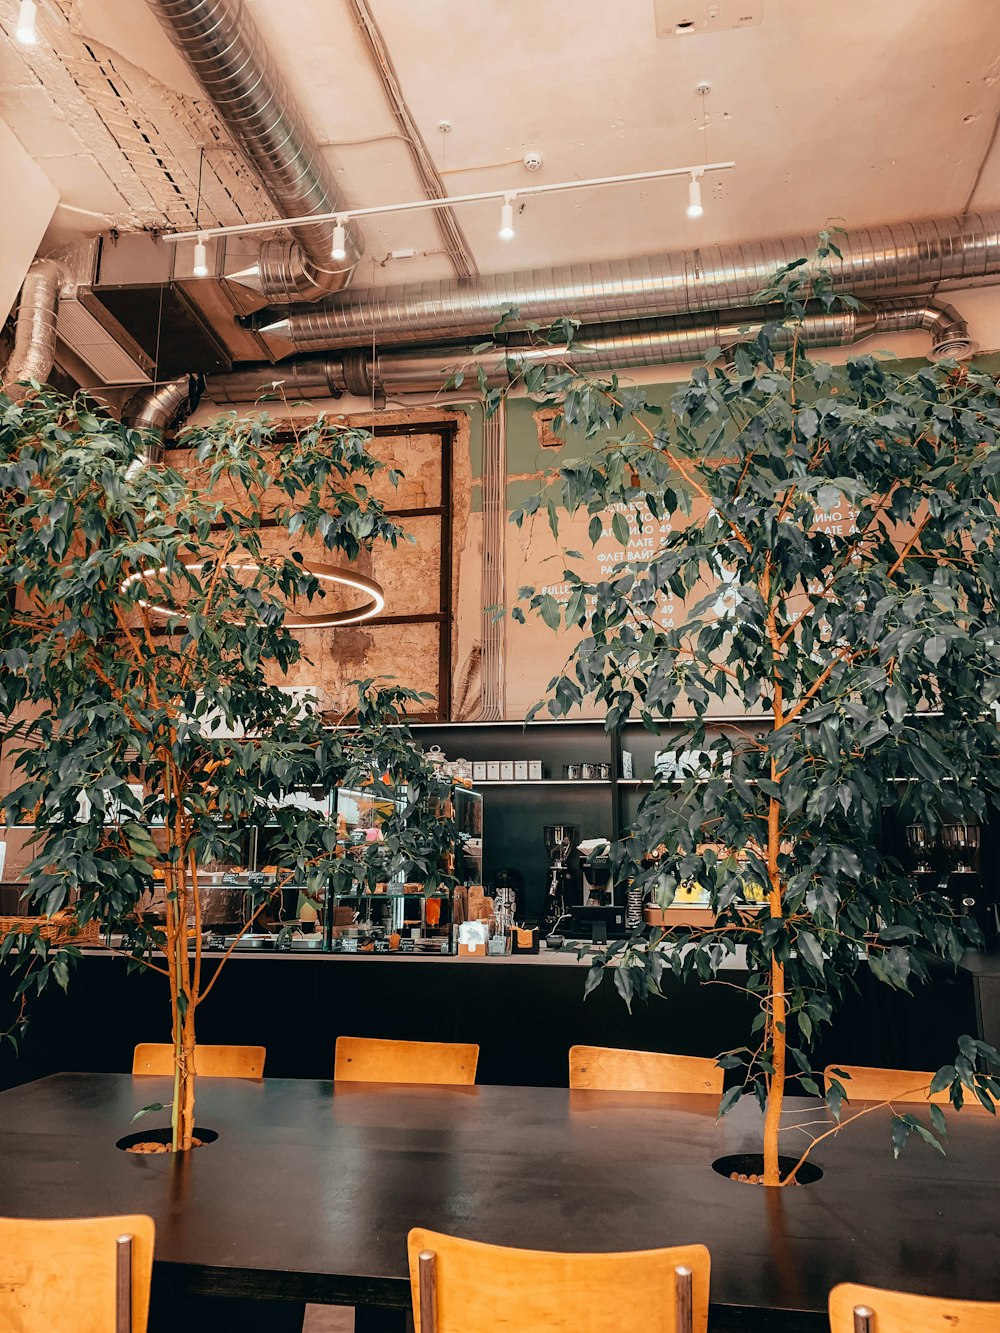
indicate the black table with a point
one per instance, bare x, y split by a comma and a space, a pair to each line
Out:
309, 1192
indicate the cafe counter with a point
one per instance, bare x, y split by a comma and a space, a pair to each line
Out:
524, 1011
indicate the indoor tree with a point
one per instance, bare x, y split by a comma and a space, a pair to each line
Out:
143, 641
871, 647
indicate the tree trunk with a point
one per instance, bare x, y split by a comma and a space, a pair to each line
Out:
776, 1090
185, 1088
183, 1006
776, 1029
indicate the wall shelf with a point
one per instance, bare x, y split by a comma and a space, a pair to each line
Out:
543, 782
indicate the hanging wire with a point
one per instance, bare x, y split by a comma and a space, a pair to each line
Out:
201, 168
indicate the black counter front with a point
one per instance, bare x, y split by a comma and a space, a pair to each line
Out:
524, 1013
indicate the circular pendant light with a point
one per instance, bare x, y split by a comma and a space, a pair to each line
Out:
370, 604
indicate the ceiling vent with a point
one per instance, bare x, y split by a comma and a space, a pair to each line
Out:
113, 359
691, 18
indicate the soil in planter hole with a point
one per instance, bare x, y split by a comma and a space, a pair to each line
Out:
156, 1141
748, 1169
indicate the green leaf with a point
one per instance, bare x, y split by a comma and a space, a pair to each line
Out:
153, 1106
924, 1133
619, 526
550, 611
944, 1078
935, 648
729, 1099
901, 1128
595, 976
809, 948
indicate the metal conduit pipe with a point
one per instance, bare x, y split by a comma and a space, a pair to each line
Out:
894, 258
35, 330
221, 43
608, 347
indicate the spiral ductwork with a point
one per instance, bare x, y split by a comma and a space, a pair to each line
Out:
35, 329
949, 331
903, 256
221, 43
156, 409
609, 347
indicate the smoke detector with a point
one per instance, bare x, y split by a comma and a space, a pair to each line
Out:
689, 18
532, 160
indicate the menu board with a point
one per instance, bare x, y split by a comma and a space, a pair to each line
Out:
536, 558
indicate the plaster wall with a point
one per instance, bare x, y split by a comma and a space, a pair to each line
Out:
30, 199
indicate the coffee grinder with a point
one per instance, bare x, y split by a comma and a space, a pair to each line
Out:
561, 842
508, 895
964, 887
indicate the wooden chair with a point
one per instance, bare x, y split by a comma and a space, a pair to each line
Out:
604, 1069
855, 1309
461, 1286
372, 1060
209, 1061
871, 1084
90, 1274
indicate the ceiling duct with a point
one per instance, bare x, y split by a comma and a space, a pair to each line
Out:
221, 43
35, 330
58, 313
158, 408
905, 256
421, 369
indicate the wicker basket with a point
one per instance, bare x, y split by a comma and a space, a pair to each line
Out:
63, 928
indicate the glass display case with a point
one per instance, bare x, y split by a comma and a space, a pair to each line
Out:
349, 916
394, 916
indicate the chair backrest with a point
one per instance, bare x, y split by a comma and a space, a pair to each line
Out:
870, 1084
461, 1286
90, 1274
855, 1309
209, 1061
604, 1069
372, 1060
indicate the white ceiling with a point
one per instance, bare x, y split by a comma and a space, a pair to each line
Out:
858, 111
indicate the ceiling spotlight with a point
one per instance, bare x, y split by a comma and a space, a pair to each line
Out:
27, 32
694, 208
339, 250
506, 232
200, 267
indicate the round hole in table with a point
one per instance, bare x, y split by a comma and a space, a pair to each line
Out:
162, 1135
752, 1163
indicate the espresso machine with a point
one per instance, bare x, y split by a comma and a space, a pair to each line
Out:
561, 842
595, 862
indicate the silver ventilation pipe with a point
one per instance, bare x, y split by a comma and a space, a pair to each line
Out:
949, 331
35, 330
154, 410
875, 260
221, 43
607, 347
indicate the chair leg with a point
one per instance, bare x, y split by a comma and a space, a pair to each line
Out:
684, 1317
427, 1280
123, 1284
864, 1319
